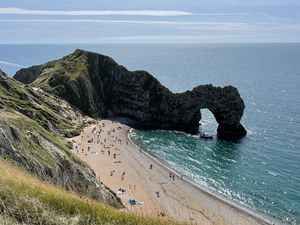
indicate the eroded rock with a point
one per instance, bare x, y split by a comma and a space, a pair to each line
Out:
100, 87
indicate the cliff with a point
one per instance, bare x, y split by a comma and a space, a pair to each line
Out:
33, 127
99, 87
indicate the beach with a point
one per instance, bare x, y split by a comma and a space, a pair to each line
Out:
157, 190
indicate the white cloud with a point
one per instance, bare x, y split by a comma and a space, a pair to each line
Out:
11, 64
21, 11
182, 25
163, 22
168, 39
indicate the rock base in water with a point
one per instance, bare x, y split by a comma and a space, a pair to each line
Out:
231, 133
99, 87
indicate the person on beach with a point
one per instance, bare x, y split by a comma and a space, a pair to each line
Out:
162, 214
108, 152
173, 176
151, 166
123, 174
114, 155
157, 194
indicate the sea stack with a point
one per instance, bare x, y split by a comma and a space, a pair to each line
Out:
102, 88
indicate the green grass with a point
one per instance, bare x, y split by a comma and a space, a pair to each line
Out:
22, 98
79, 69
26, 199
28, 145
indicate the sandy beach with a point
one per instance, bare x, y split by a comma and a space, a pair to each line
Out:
133, 174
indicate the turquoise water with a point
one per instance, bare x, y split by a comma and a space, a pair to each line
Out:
261, 171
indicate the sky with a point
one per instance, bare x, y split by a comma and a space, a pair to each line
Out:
151, 21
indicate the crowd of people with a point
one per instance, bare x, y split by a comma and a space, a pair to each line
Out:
109, 145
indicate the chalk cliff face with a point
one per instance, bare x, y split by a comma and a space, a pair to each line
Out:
99, 87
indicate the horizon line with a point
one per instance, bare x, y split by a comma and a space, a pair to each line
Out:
154, 43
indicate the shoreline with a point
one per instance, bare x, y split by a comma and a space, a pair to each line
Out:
106, 146
264, 219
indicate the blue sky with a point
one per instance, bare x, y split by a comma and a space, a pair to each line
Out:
151, 21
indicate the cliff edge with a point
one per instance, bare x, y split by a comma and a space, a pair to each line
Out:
100, 87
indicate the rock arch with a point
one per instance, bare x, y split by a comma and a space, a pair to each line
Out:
100, 87
224, 103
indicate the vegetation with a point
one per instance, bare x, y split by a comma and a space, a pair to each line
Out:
37, 105
28, 135
33, 125
24, 199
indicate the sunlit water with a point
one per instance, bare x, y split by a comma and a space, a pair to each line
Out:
262, 171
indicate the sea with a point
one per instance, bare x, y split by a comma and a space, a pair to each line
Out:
262, 170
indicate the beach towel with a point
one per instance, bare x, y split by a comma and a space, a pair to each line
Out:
132, 201
135, 202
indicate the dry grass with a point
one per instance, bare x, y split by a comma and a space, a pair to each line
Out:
25, 199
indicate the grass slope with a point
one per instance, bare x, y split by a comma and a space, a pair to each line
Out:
33, 127
24, 199
37, 105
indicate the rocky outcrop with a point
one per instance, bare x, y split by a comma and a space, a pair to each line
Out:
100, 87
32, 129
